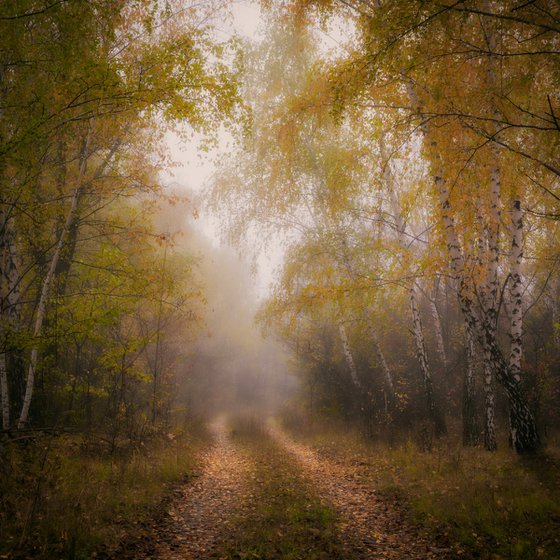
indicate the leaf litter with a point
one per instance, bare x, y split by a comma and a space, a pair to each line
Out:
201, 514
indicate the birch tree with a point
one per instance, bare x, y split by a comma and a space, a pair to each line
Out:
124, 73
473, 113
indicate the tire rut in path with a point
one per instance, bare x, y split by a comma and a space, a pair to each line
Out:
203, 509
371, 526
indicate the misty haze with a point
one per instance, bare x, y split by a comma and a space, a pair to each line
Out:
279, 280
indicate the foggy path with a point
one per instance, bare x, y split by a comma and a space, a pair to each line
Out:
370, 525
207, 505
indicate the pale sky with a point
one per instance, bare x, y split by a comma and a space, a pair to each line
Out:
195, 167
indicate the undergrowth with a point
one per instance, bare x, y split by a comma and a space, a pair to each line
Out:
286, 520
497, 505
61, 496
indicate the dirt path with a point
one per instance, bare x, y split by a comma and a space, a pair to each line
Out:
202, 513
371, 526
203, 509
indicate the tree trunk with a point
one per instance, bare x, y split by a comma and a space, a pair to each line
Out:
45, 288
390, 384
348, 356
488, 303
434, 412
490, 443
470, 424
516, 291
4, 391
555, 309
438, 328
524, 431
157, 360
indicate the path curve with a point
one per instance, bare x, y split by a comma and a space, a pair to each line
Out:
371, 526
204, 508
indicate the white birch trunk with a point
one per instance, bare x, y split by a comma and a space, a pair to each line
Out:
438, 332
384, 366
492, 287
524, 432
46, 286
422, 356
555, 306
348, 356
41, 308
516, 291
488, 298
470, 427
489, 408
417, 330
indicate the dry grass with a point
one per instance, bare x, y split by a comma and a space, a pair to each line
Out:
498, 505
60, 497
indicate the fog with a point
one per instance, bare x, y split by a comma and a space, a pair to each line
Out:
230, 366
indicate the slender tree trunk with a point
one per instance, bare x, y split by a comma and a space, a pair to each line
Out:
388, 375
488, 304
490, 299
492, 287
157, 360
516, 291
524, 431
555, 309
434, 412
470, 424
495, 217
490, 443
438, 330
348, 356
46, 286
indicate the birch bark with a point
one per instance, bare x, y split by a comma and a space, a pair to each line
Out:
348, 356
524, 434
516, 291
470, 425
384, 366
390, 385
434, 411
555, 306
46, 286
438, 331
4, 390
488, 304
490, 443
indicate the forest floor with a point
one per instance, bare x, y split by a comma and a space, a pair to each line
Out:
262, 495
